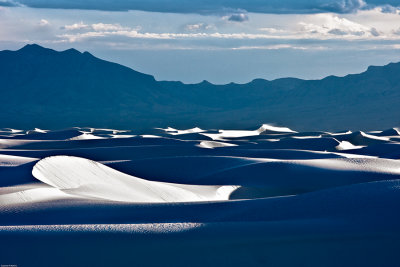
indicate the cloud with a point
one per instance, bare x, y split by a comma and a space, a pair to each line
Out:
135, 34
240, 17
44, 23
213, 7
166, 36
76, 26
9, 3
97, 27
344, 6
270, 47
108, 27
390, 9
329, 24
311, 32
272, 30
198, 27
371, 25
396, 32
191, 31
374, 32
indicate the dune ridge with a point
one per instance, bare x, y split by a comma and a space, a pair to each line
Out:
249, 196
82, 177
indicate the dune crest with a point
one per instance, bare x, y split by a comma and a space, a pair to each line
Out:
83, 177
270, 188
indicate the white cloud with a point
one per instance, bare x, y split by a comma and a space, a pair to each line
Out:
315, 27
272, 30
330, 24
199, 27
384, 22
97, 27
270, 47
44, 23
108, 27
166, 31
149, 35
76, 26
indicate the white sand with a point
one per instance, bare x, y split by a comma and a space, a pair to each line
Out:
78, 176
262, 197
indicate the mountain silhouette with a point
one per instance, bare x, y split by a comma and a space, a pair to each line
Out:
41, 87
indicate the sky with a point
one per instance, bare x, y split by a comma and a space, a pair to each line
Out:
220, 41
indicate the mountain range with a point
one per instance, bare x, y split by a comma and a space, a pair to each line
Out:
41, 87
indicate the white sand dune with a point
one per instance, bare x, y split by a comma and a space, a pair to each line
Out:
307, 136
86, 136
214, 144
345, 145
173, 131
363, 139
10, 131
31, 196
9, 143
7, 160
37, 130
150, 136
269, 177
389, 132
270, 129
78, 176
265, 197
122, 135
105, 131
265, 128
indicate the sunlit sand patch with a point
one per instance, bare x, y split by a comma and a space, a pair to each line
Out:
83, 177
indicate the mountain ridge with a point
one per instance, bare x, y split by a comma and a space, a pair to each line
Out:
33, 47
51, 89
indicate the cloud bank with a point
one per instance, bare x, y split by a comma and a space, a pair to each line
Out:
316, 27
216, 6
8, 3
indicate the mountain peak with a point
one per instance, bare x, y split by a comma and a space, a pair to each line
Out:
72, 50
87, 54
205, 82
37, 49
33, 47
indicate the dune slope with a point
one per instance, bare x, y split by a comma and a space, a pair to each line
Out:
265, 197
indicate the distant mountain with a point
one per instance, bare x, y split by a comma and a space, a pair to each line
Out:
40, 87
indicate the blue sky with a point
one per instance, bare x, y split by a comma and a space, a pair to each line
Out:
220, 41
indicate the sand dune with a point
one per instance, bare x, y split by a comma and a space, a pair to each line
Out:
78, 176
264, 129
273, 189
8, 161
173, 131
86, 136
213, 144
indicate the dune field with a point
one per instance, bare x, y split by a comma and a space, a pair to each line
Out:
270, 196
